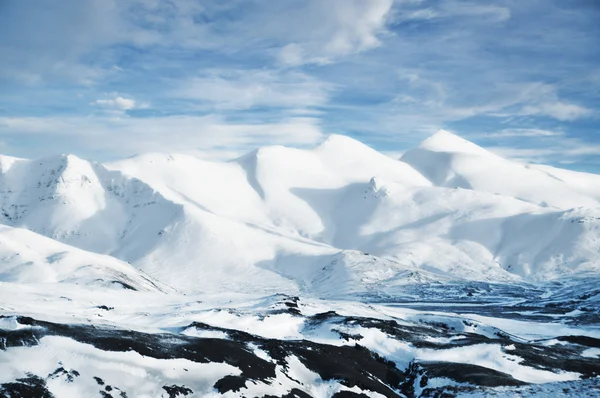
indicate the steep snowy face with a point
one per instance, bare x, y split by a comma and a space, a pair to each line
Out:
450, 161
55, 196
75, 201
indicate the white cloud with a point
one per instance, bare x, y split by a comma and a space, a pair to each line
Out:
455, 9
485, 13
246, 89
120, 135
559, 110
419, 14
116, 103
523, 132
426, 104
308, 31
335, 28
394, 69
294, 54
49, 41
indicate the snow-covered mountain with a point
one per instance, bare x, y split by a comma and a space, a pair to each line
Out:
338, 218
331, 272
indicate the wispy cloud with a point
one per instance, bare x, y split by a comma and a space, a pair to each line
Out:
558, 110
422, 10
323, 31
510, 133
521, 75
246, 89
117, 103
122, 135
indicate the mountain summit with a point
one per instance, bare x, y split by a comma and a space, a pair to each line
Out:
444, 141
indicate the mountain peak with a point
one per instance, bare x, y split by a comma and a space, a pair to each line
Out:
445, 141
342, 144
339, 139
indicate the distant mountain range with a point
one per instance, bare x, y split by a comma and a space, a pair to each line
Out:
339, 219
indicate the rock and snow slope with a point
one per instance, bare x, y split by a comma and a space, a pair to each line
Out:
79, 342
433, 256
338, 218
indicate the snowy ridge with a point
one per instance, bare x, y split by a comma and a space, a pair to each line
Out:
345, 196
76, 202
449, 161
270, 220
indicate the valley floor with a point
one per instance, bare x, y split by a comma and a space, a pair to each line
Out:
433, 340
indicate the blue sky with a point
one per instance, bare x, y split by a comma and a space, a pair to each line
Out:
106, 79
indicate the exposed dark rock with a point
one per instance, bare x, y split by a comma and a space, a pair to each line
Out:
28, 387
350, 365
581, 340
472, 374
349, 394
69, 376
230, 383
124, 285
294, 393
175, 391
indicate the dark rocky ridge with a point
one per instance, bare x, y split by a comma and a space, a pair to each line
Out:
351, 365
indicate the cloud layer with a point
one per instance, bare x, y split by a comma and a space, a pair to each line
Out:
108, 78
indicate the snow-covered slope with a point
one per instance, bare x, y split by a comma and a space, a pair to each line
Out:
458, 222
26, 257
338, 219
450, 161
258, 217
82, 342
80, 202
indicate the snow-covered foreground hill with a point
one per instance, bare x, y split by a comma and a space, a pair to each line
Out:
334, 271
73, 341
